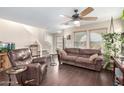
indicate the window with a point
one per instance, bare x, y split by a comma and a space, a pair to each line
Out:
89, 39
80, 39
95, 40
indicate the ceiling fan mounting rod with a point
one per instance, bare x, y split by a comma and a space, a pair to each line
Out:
76, 11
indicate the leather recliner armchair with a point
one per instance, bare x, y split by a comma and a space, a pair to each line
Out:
36, 68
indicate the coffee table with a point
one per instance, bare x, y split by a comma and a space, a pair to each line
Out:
14, 71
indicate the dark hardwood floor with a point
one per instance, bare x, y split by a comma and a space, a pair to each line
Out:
67, 75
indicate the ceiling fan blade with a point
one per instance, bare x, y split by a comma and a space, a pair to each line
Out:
86, 11
65, 16
89, 18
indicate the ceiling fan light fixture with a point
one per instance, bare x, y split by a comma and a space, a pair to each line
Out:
76, 17
76, 22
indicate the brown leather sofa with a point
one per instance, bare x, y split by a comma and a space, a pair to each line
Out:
80, 57
36, 68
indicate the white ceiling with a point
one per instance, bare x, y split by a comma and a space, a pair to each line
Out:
48, 17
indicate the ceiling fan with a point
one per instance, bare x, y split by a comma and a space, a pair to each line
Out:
80, 16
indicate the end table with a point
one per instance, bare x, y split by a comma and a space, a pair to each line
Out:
14, 71
52, 60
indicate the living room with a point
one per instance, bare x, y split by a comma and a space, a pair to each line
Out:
67, 47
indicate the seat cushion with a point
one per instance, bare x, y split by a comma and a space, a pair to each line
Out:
69, 58
41, 60
83, 60
84, 56
24, 62
70, 54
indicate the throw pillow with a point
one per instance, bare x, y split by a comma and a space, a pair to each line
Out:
92, 57
63, 53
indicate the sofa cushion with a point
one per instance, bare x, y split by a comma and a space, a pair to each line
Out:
24, 62
93, 57
84, 56
70, 54
89, 51
72, 50
69, 58
82, 59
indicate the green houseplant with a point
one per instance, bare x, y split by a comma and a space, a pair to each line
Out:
121, 39
122, 16
110, 47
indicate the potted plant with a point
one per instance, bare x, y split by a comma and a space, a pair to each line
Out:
110, 47
121, 39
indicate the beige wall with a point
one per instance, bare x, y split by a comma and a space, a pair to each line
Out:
118, 25
22, 35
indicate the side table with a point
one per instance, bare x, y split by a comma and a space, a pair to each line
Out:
52, 60
119, 63
14, 71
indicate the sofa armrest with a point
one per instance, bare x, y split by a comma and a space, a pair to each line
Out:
59, 55
33, 65
99, 60
35, 73
40, 60
99, 63
32, 74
